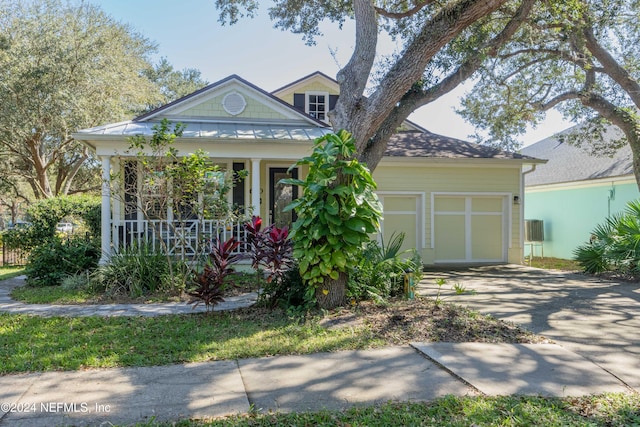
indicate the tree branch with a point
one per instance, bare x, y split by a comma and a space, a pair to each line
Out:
399, 15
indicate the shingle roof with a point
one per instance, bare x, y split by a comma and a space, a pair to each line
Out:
427, 144
568, 163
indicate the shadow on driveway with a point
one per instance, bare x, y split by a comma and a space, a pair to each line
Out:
598, 319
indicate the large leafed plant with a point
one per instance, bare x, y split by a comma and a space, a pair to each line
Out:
336, 214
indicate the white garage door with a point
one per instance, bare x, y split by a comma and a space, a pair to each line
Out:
470, 228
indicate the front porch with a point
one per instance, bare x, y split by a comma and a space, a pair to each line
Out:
127, 219
184, 239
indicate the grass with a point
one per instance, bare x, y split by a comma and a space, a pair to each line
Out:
10, 272
554, 264
602, 410
53, 295
33, 343
86, 295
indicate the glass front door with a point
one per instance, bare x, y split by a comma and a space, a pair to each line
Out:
280, 195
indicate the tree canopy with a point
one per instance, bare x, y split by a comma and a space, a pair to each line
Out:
444, 43
66, 66
581, 57
63, 67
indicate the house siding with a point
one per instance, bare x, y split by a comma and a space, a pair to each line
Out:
571, 212
311, 87
460, 180
213, 108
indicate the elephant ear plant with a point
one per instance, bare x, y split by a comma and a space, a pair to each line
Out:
336, 214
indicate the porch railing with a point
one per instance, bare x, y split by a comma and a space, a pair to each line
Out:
182, 238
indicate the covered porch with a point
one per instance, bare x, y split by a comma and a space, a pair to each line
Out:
127, 219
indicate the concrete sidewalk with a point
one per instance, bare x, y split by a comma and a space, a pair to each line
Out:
421, 372
598, 353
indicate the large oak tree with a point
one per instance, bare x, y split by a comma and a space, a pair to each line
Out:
444, 43
581, 57
63, 67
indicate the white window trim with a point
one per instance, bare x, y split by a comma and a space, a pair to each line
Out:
326, 106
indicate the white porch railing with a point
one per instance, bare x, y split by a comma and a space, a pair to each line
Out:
182, 238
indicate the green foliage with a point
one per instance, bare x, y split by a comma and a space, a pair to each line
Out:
44, 214
51, 262
66, 66
457, 288
289, 293
138, 271
615, 244
380, 271
336, 212
579, 57
177, 182
173, 84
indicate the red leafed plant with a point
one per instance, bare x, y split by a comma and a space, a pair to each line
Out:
210, 284
271, 249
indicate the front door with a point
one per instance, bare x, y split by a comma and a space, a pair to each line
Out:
280, 195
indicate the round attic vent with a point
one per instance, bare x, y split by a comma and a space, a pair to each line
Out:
234, 103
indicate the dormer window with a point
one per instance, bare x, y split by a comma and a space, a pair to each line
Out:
317, 105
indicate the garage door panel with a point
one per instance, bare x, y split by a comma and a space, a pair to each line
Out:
450, 237
486, 237
449, 204
469, 228
486, 204
401, 223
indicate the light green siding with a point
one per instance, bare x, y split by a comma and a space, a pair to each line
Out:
213, 108
571, 213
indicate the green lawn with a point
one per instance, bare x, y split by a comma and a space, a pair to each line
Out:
554, 264
32, 343
603, 410
10, 272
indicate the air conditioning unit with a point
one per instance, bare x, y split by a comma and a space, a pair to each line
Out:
534, 230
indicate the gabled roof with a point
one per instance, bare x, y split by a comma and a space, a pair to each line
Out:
304, 80
427, 144
568, 163
213, 88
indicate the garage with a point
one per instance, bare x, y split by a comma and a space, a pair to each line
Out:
401, 213
470, 228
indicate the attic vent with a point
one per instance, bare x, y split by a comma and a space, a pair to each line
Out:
234, 103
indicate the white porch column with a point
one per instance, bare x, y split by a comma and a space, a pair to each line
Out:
106, 209
255, 186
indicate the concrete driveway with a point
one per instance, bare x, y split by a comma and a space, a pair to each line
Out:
595, 318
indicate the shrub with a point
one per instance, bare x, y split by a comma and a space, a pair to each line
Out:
210, 283
139, 270
46, 213
381, 269
55, 259
289, 293
337, 212
614, 245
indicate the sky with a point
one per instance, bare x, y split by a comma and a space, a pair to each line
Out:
188, 34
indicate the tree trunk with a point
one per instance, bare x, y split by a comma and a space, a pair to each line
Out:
332, 293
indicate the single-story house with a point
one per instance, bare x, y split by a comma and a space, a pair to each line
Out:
573, 192
456, 201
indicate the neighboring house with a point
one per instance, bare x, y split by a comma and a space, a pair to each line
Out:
573, 192
457, 202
